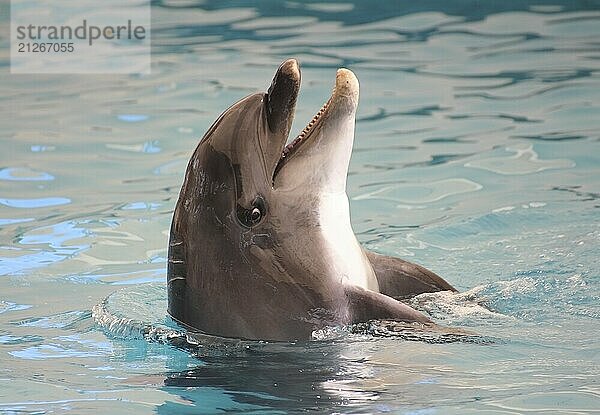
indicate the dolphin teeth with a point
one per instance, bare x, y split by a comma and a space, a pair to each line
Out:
286, 150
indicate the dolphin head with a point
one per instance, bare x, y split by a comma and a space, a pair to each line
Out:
261, 230
243, 147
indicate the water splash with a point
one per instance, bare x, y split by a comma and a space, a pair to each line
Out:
139, 313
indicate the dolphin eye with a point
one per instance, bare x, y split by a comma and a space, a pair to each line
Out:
252, 216
255, 215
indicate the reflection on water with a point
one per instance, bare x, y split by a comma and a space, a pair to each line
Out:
476, 154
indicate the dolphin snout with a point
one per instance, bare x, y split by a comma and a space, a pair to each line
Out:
290, 69
282, 96
346, 84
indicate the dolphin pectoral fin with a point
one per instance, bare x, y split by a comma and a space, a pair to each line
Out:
368, 305
400, 279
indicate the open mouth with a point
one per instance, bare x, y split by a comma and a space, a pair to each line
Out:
296, 143
343, 101
305, 132
301, 138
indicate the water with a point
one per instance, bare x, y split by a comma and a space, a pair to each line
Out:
476, 155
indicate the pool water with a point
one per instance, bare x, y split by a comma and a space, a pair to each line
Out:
477, 154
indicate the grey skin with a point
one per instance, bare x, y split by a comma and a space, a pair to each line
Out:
261, 245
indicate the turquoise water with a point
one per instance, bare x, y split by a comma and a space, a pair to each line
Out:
476, 155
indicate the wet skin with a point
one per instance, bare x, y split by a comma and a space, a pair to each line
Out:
261, 245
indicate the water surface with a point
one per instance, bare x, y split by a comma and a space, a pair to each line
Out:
476, 155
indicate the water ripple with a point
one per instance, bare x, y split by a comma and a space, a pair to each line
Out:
524, 161
420, 193
24, 174
64, 320
40, 247
35, 203
476, 154
6, 306
150, 147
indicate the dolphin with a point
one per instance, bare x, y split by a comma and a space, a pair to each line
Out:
261, 246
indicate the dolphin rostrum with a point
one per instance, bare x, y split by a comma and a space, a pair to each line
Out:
261, 245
